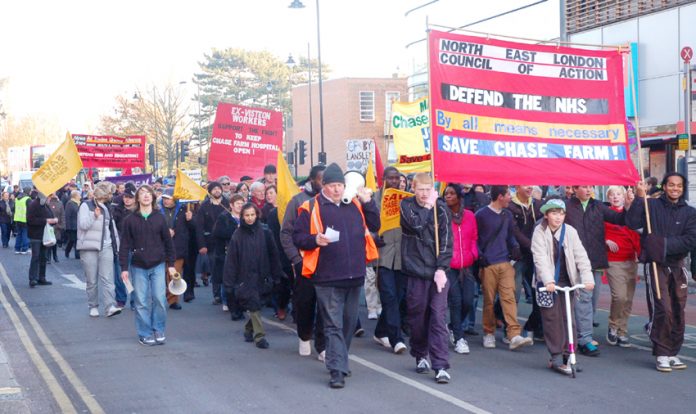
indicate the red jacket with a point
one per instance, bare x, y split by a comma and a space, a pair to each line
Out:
627, 239
464, 238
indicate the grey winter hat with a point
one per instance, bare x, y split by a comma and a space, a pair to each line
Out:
333, 174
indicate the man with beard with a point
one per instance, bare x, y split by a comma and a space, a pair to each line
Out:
205, 218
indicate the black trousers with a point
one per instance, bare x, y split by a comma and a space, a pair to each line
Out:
305, 309
37, 268
282, 291
71, 239
666, 326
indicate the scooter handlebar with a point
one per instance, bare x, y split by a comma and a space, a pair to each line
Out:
566, 288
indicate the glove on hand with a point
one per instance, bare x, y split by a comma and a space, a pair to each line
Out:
440, 280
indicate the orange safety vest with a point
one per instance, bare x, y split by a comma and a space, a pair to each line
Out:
310, 258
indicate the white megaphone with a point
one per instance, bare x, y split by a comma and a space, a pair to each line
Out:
354, 181
177, 285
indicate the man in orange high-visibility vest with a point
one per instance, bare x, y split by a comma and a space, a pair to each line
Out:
336, 244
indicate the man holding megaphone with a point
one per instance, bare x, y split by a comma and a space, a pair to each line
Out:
333, 235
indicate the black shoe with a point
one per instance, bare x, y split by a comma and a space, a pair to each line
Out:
217, 300
33, 283
175, 306
262, 343
337, 380
188, 298
44, 283
248, 336
595, 324
77, 257
55, 259
237, 316
359, 332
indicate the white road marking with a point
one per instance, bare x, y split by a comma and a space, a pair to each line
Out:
398, 377
76, 282
86, 396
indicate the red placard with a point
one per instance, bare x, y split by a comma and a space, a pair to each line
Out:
107, 151
515, 113
244, 140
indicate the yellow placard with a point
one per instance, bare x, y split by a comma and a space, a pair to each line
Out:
390, 213
287, 188
187, 189
60, 167
410, 125
453, 121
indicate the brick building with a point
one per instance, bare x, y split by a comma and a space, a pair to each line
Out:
354, 108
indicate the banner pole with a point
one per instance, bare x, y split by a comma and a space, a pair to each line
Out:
640, 164
432, 158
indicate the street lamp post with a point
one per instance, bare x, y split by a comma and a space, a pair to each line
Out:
297, 4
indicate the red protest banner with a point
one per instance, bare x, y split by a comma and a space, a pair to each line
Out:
106, 151
515, 113
244, 140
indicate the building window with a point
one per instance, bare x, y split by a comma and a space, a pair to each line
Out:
389, 98
583, 15
367, 106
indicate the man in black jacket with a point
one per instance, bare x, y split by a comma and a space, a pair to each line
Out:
38, 215
336, 243
205, 218
672, 237
177, 217
587, 216
424, 267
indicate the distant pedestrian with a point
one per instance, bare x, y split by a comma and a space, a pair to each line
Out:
71, 209
20, 221
6, 216
146, 236
38, 215
58, 212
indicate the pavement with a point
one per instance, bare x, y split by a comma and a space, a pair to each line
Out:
55, 358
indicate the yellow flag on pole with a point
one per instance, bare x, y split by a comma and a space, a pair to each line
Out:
287, 188
370, 181
60, 167
187, 189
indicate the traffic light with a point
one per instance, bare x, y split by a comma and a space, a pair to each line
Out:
184, 152
290, 157
151, 154
302, 151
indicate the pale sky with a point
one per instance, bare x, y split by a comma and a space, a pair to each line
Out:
67, 60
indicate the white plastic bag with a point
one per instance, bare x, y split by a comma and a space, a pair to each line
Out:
49, 236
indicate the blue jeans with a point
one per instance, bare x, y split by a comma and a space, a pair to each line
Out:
150, 299
120, 292
22, 239
460, 298
584, 310
6, 228
392, 289
469, 321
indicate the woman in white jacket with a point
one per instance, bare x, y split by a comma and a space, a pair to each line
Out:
559, 262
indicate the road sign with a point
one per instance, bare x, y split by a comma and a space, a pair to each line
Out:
683, 141
687, 53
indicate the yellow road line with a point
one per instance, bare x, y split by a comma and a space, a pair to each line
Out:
82, 391
53, 385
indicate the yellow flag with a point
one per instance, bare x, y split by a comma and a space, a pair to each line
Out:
60, 167
410, 126
187, 189
390, 213
287, 188
370, 177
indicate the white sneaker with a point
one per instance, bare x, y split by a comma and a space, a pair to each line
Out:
505, 340
662, 364
322, 356
305, 348
520, 341
113, 311
676, 363
399, 348
451, 337
442, 377
423, 366
94, 312
489, 341
372, 315
384, 341
462, 347
225, 308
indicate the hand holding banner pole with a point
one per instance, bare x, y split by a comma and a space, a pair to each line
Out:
648, 225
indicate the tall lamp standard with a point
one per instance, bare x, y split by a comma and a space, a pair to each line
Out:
297, 4
291, 63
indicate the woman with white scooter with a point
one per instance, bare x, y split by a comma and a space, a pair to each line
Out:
561, 264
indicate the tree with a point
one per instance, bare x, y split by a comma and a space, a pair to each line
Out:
253, 78
162, 115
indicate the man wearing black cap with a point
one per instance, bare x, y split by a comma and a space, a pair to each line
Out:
205, 220
270, 176
337, 244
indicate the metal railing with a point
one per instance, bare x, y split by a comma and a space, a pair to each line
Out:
582, 15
